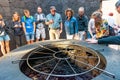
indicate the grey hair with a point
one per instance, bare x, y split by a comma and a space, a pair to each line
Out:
81, 9
117, 4
97, 14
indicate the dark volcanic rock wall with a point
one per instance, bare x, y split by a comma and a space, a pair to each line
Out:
7, 7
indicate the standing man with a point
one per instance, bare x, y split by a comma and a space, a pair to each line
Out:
54, 21
28, 23
40, 20
82, 20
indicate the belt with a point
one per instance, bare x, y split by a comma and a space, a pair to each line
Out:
54, 28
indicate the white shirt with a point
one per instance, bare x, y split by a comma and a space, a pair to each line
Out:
111, 21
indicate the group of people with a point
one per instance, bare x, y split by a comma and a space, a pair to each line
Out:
33, 27
110, 39
95, 30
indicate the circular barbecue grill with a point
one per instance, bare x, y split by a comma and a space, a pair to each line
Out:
63, 61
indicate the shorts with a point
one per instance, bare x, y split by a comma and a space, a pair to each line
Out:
4, 38
29, 36
40, 33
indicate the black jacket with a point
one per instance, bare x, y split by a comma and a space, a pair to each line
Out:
82, 23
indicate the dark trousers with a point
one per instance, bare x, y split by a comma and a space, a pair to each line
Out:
18, 40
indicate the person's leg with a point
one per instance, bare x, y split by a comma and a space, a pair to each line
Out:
37, 35
17, 41
20, 37
57, 34
28, 42
7, 46
2, 44
28, 38
51, 34
32, 41
70, 36
43, 34
79, 35
32, 38
83, 35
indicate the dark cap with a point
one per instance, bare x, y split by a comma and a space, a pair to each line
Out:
117, 4
53, 7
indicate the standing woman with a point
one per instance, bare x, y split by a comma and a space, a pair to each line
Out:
91, 26
71, 25
28, 23
4, 38
18, 30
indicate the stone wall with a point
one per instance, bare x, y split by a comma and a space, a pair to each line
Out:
8, 7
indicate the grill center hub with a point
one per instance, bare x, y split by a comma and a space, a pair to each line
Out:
61, 55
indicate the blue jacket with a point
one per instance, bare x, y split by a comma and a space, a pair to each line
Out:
71, 26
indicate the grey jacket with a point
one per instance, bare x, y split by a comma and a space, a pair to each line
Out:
39, 19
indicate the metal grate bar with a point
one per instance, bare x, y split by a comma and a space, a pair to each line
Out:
17, 61
42, 53
52, 70
106, 72
70, 66
43, 63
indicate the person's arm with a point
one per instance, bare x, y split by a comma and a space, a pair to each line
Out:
44, 18
110, 40
34, 26
91, 24
47, 22
86, 23
107, 40
61, 24
23, 25
61, 27
3, 23
76, 26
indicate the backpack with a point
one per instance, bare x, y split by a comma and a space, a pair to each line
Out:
2, 31
111, 31
25, 18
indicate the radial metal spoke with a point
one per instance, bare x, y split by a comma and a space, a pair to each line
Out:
105, 72
47, 48
17, 61
53, 70
70, 66
43, 63
42, 53
39, 57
